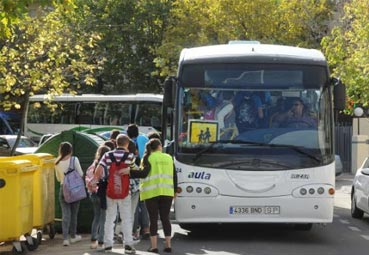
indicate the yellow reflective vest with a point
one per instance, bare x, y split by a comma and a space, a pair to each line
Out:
159, 181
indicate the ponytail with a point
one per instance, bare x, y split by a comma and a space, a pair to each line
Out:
151, 145
65, 148
145, 159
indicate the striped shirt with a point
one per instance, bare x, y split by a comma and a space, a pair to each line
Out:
118, 154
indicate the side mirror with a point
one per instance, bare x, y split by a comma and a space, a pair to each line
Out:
339, 94
169, 89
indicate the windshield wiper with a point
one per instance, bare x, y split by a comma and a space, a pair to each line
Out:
198, 155
295, 148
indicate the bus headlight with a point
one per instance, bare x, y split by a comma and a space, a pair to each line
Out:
303, 191
207, 190
197, 190
189, 189
320, 190
314, 190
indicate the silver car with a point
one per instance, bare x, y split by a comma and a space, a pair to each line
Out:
360, 191
25, 146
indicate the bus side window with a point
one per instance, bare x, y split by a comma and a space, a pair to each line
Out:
85, 118
155, 121
125, 120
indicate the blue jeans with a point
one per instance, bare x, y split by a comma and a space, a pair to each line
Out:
69, 216
98, 222
141, 217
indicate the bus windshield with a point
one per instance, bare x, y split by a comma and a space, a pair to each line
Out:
277, 118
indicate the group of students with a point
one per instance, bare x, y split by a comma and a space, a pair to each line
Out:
153, 181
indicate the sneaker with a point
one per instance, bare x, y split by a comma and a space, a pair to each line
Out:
66, 243
108, 249
134, 242
146, 236
75, 239
153, 250
167, 249
100, 247
129, 250
118, 238
93, 245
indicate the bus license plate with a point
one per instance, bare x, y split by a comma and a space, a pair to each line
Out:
254, 210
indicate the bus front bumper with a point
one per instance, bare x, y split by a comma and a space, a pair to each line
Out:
224, 209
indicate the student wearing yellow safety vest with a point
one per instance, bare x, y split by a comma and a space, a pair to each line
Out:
158, 188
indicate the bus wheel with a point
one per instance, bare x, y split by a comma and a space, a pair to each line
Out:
303, 227
189, 226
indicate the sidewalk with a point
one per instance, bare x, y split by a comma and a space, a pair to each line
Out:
55, 247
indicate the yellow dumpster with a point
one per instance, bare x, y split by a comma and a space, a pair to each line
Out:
16, 199
43, 192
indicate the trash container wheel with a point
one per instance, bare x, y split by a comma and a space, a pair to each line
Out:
39, 237
52, 231
31, 242
19, 248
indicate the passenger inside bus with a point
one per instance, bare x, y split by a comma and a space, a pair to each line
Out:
297, 116
226, 116
249, 110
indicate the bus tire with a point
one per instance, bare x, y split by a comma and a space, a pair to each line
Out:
189, 226
303, 226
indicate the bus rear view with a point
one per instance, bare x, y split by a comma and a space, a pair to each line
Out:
253, 132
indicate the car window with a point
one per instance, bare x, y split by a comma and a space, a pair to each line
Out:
25, 143
3, 143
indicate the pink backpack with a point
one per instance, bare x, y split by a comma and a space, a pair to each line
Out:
90, 172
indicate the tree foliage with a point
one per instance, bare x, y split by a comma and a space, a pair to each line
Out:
13, 11
304, 23
46, 55
202, 22
140, 40
131, 31
347, 50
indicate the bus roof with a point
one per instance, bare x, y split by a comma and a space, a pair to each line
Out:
262, 53
98, 97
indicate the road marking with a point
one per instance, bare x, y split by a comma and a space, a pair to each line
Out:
344, 221
336, 215
365, 237
354, 228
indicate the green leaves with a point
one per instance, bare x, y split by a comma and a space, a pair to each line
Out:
347, 51
202, 22
46, 54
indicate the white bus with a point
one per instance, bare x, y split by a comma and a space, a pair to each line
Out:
96, 113
253, 135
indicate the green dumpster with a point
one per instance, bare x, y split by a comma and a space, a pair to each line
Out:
84, 147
